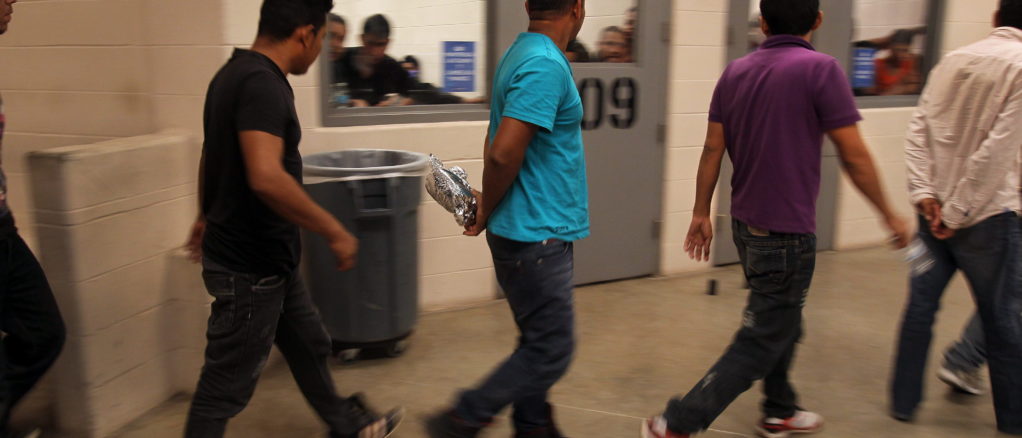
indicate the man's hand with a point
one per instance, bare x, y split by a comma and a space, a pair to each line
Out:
931, 210
345, 248
194, 243
700, 235
479, 225
942, 232
901, 233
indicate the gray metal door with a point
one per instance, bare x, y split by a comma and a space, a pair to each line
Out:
625, 110
741, 32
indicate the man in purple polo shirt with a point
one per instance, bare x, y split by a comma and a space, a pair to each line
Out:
770, 112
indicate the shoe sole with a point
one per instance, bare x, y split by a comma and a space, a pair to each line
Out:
400, 418
945, 375
767, 434
646, 433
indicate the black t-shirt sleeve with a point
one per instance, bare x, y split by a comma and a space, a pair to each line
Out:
404, 81
262, 105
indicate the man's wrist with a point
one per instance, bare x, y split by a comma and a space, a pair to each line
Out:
338, 234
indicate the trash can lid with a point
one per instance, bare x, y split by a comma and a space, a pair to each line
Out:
365, 163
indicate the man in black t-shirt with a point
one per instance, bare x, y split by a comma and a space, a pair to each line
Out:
29, 317
247, 235
374, 78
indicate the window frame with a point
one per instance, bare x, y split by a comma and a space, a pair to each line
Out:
833, 39
412, 114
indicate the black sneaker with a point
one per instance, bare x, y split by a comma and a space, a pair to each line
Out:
550, 431
448, 425
376, 425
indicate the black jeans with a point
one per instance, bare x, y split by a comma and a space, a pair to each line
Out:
988, 254
779, 268
537, 279
249, 315
30, 318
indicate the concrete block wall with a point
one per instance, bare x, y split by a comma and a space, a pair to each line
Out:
698, 57
65, 67
111, 217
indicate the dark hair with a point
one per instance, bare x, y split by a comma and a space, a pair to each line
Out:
412, 60
1010, 13
334, 18
278, 19
614, 29
550, 7
903, 36
576, 47
790, 17
377, 26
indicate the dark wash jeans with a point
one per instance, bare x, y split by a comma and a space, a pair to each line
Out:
30, 318
779, 268
249, 315
537, 279
988, 255
969, 352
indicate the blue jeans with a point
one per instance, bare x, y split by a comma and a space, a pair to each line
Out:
779, 269
537, 280
988, 255
969, 353
251, 313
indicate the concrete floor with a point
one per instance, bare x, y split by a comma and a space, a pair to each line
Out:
641, 342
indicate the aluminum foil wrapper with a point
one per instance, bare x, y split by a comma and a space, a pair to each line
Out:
450, 189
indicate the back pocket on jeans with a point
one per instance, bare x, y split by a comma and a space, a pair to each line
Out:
767, 265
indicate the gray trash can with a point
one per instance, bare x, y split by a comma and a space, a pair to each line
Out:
376, 195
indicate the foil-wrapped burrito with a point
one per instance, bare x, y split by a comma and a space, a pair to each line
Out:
450, 189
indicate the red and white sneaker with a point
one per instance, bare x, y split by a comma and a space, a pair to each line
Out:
656, 427
803, 422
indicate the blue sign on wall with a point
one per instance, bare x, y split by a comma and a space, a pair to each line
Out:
459, 66
864, 68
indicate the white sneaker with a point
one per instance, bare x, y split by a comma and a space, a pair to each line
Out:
803, 422
968, 382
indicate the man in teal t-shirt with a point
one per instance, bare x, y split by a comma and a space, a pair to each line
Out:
535, 205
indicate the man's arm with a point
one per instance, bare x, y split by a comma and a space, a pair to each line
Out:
501, 163
858, 164
700, 232
194, 244
263, 153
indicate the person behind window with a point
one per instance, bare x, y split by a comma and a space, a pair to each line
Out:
577, 52
374, 79
613, 46
337, 32
898, 73
428, 94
